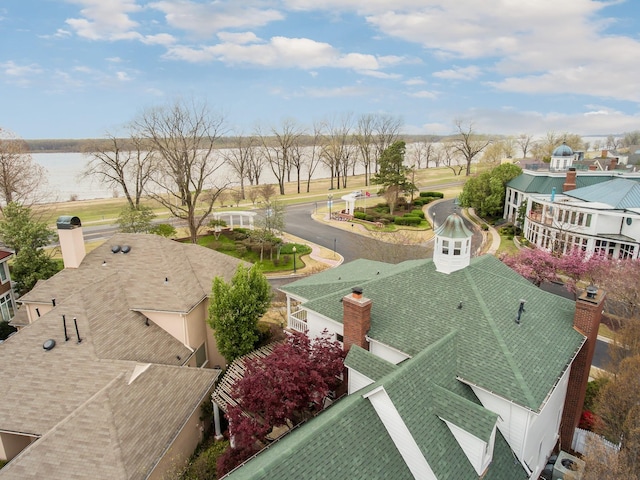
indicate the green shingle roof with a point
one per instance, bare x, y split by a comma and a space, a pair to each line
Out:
368, 364
350, 441
414, 306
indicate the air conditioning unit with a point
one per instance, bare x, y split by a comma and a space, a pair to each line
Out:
568, 467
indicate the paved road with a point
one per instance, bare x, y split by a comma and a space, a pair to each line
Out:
350, 245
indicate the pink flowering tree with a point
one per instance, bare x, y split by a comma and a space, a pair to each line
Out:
534, 264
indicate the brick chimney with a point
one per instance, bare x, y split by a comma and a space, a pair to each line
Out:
570, 182
613, 164
586, 320
356, 319
604, 153
593, 167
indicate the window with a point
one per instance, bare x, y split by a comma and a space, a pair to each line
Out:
339, 337
445, 247
457, 246
4, 274
201, 356
588, 222
626, 251
6, 307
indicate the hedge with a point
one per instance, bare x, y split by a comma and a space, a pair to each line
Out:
432, 194
409, 221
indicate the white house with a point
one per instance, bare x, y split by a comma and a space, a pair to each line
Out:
456, 368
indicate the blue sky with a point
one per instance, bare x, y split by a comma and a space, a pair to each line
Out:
80, 68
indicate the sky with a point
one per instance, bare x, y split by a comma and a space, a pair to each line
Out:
85, 68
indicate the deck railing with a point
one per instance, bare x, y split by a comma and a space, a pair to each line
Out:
298, 321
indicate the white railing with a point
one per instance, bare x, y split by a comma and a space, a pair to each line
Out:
298, 321
581, 437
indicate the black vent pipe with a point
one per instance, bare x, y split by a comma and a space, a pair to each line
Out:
77, 332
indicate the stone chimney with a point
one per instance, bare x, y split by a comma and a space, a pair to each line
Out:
356, 319
570, 182
586, 320
71, 241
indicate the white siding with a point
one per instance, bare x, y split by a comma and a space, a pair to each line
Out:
512, 421
400, 434
388, 353
317, 323
543, 430
357, 381
476, 450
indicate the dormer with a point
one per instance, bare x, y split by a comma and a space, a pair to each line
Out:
473, 426
452, 249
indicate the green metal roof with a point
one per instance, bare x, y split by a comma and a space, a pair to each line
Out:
414, 306
350, 441
453, 227
544, 184
619, 193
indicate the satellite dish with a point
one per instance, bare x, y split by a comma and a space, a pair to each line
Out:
115, 249
49, 344
126, 249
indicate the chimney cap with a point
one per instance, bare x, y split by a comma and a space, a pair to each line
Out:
357, 290
68, 222
592, 290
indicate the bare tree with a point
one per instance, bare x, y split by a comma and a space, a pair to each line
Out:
524, 141
278, 149
21, 178
314, 153
449, 154
338, 149
267, 192
387, 131
422, 152
238, 157
468, 143
121, 163
364, 138
186, 180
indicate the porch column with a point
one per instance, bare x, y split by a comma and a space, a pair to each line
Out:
216, 422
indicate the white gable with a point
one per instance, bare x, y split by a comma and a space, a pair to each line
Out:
478, 452
400, 434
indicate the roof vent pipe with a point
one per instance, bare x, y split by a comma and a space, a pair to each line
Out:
53, 302
64, 325
75, 322
38, 311
520, 310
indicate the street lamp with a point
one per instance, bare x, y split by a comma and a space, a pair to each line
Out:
330, 203
294, 259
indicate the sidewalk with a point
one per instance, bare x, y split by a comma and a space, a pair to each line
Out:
494, 236
319, 259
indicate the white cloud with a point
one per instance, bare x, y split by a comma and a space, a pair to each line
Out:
105, 20
414, 81
203, 20
347, 91
424, 94
159, 39
123, 77
238, 38
21, 75
459, 73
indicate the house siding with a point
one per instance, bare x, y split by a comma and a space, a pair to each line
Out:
387, 353
357, 381
473, 447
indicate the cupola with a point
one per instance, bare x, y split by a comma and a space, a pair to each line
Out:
452, 250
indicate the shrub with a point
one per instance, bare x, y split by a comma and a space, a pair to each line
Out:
360, 215
163, 229
484, 227
409, 221
418, 202
370, 218
417, 213
432, 194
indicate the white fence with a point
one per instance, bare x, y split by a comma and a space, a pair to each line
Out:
581, 438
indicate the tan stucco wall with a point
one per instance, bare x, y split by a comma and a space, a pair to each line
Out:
196, 325
11, 445
173, 323
72, 246
181, 449
42, 308
212, 351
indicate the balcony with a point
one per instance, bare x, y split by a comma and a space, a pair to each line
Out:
298, 321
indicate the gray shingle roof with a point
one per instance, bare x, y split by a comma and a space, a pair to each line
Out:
77, 396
